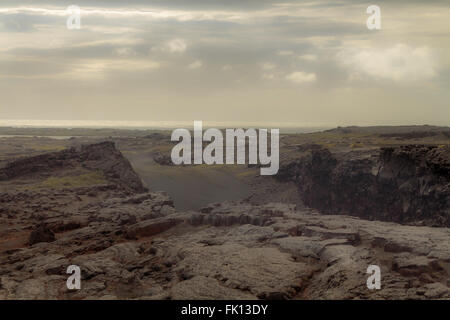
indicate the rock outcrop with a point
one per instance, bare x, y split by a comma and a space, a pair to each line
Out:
406, 184
287, 253
135, 245
103, 157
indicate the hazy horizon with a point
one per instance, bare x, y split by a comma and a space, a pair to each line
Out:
169, 125
311, 64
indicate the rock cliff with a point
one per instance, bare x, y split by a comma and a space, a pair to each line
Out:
406, 184
103, 157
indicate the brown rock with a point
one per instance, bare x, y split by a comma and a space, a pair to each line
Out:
149, 228
41, 234
406, 184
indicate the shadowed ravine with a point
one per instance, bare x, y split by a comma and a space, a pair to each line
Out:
191, 187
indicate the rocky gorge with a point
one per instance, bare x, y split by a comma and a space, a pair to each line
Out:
86, 206
406, 184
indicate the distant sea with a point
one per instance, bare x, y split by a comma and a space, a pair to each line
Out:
285, 127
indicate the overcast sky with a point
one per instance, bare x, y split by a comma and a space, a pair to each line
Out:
308, 62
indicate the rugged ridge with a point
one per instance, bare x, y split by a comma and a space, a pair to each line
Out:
406, 184
133, 245
101, 156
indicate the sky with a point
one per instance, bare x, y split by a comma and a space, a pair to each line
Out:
309, 63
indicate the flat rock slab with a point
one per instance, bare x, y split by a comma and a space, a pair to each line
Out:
152, 227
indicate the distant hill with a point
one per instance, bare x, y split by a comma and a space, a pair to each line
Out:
392, 129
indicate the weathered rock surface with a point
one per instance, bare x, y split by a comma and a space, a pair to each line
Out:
135, 245
407, 184
288, 254
102, 157
41, 234
162, 159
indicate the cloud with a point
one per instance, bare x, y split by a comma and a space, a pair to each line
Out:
308, 57
153, 13
268, 66
195, 65
285, 53
176, 46
268, 76
400, 63
17, 23
263, 54
125, 51
301, 77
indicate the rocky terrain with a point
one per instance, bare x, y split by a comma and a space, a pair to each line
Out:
406, 184
86, 206
102, 157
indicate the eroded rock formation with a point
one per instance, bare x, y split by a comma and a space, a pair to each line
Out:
407, 184
103, 157
135, 245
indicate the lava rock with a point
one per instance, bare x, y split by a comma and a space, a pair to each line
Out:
41, 234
